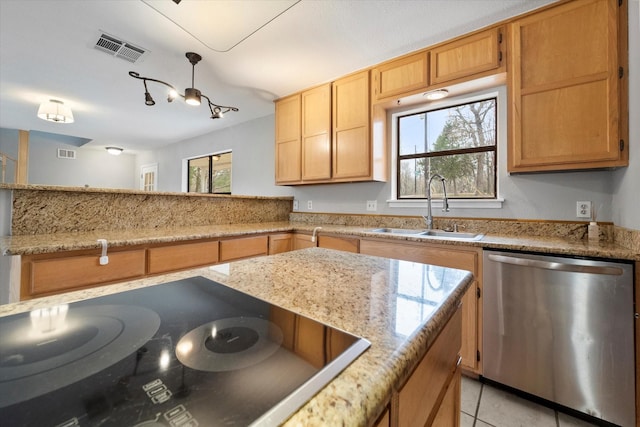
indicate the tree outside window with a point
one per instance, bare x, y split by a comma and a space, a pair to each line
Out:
457, 142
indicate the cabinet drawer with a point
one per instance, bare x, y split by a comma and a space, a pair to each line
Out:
346, 244
243, 248
418, 397
177, 257
65, 273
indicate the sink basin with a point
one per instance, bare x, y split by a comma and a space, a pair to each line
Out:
434, 234
452, 234
397, 230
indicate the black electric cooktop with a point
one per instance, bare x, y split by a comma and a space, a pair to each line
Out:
183, 354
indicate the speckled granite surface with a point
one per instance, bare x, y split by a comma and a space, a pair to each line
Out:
27, 245
356, 293
47, 210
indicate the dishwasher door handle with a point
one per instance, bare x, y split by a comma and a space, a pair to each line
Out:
556, 266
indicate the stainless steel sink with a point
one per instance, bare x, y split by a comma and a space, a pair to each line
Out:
433, 234
397, 230
452, 234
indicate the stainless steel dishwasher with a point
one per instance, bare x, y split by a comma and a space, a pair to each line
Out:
561, 329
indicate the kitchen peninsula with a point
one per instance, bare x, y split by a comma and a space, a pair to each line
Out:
408, 312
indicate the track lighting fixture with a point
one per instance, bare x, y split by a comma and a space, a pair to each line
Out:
192, 96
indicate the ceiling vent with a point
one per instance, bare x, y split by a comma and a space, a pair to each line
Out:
66, 154
119, 48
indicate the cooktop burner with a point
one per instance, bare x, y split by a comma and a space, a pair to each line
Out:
183, 354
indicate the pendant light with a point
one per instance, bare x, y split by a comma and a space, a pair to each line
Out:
55, 111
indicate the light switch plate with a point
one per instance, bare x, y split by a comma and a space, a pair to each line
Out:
295, 205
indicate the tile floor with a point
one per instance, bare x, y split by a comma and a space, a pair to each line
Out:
486, 406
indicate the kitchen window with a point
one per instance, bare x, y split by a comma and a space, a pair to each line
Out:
210, 174
457, 141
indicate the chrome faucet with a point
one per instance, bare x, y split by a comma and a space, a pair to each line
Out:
445, 201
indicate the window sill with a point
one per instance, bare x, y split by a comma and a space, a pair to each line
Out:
453, 204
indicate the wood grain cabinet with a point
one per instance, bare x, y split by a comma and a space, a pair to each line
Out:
47, 274
303, 241
243, 247
316, 134
402, 76
163, 259
468, 57
340, 243
288, 145
279, 243
566, 107
464, 258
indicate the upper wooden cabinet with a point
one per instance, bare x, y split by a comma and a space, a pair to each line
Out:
351, 133
400, 76
467, 57
316, 133
288, 147
566, 107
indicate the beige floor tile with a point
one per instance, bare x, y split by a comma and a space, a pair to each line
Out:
503, 409
470, 395
480, 423
466, 420
569, 421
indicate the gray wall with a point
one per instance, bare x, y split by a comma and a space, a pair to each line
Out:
92, 167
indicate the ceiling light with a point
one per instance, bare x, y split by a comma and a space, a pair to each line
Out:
192, 96
55, 111
436, 94
115, 151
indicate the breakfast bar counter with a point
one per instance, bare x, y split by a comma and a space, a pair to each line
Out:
399, 307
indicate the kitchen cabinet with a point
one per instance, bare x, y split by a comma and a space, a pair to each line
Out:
303, 241
567, 109
468, 57
46, 274
279, 243
181, 256
464, 258
288, 146
418, 401
402, 76
243, 247
341, 243
316, 134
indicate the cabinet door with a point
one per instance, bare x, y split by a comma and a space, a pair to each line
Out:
180, 256
467, 57
288, 150
316, 134
243, 247
564, 97
303, 241
55, 273
351, 116
400, 77
347, 244
279, 243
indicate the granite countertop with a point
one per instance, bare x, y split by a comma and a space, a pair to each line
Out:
357, 293
44, 243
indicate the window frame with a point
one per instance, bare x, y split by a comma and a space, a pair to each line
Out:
500, 93
445, 153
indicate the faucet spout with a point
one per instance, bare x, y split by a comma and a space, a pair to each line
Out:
445, 200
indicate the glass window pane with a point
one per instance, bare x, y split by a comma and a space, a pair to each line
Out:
412, 178
468, 175
221, 173
411, 134
199, 175
464, 126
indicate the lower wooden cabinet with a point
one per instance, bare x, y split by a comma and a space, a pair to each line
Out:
464, 258
181, 256
302, 241
279, 243
243, 247
48, 274
341, 243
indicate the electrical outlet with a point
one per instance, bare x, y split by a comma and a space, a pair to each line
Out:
372, 205
309, 205
583, 209
295, 205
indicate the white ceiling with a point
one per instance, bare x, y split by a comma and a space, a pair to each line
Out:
253, 52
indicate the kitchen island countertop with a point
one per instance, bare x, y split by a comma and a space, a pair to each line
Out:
360, 294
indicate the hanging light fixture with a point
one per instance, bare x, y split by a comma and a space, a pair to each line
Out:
192, 96
55, 111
